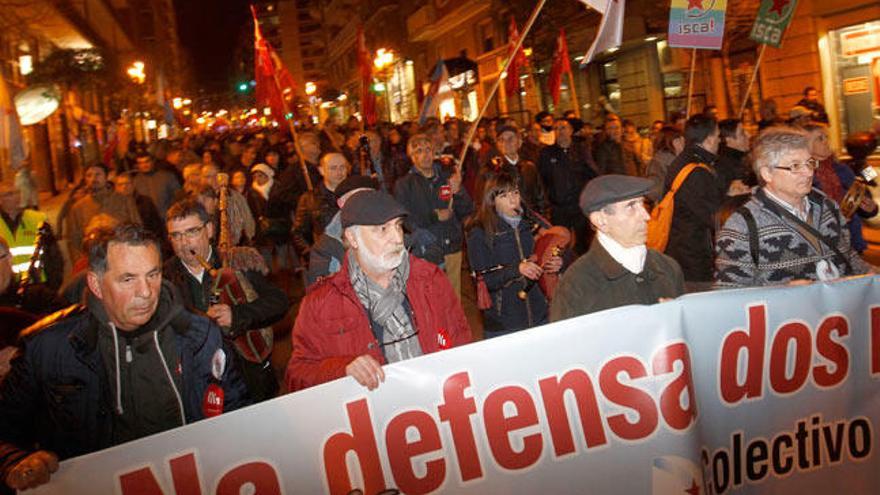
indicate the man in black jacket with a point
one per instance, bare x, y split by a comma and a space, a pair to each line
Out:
734, 174
609, 152
245, 325
130, 362
317, 207
437, 206
692, 232
565, 169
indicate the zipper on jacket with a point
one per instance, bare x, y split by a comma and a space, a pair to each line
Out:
522, 257
170, 378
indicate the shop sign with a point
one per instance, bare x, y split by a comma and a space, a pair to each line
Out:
855, 85
36, 103
774, 16
860, 42
697, 23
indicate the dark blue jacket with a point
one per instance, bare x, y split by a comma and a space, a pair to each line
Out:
58, 395
432, 239
508, 247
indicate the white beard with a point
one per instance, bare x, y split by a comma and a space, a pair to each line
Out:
264, 189
377, 263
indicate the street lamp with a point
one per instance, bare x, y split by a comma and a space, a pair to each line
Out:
384, 58
310, 88
384, 61
136, 72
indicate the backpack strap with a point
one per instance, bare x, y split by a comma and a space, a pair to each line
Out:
752, 227
683, 174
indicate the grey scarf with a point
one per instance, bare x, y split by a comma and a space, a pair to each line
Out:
385, 307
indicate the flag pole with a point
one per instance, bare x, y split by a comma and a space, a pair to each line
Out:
574, 95
290, 125
691, 82
473, 128
742, 108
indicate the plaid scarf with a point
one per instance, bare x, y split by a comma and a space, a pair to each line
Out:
828, 180
399, 339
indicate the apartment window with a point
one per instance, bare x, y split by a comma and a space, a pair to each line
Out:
487, 36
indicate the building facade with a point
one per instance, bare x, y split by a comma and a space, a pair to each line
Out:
30, 32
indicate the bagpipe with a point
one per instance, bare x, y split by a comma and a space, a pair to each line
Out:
232, 288
550, 241
365, 157
34, 272
859, 145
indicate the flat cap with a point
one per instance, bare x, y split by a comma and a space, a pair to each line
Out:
607, 189
371, 208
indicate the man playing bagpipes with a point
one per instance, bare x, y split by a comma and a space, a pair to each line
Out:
229, 286
510, 249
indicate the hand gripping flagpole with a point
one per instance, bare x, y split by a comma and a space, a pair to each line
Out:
286, 108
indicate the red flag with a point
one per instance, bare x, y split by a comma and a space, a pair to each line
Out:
561, 65
519, 59
274, 82
365, 68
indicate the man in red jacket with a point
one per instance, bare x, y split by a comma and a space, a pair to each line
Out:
383, 306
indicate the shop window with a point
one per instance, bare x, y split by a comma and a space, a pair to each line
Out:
855, 62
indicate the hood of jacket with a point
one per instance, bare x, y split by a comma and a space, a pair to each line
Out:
169, 312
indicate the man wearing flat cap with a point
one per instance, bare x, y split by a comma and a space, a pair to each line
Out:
619, 269
383, 306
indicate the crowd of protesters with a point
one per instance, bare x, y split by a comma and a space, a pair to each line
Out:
368, 235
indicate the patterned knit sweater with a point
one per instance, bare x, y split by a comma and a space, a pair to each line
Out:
784, 254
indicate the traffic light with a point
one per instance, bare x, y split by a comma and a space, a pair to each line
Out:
243, 87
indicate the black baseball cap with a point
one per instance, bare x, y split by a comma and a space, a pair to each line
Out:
371, 208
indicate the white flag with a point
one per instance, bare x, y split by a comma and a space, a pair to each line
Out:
610, 29
596, 4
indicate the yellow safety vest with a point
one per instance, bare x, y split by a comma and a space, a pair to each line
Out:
23, 240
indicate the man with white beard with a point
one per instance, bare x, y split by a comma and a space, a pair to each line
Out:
383, 306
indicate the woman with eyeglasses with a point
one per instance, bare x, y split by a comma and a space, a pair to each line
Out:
501, 245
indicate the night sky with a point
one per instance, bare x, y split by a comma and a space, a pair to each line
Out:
208, 31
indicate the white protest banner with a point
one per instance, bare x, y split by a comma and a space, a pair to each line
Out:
753, 391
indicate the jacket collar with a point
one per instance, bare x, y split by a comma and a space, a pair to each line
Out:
169, 312
697, 153
434, 166
725, 150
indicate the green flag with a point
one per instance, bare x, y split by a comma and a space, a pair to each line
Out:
774, 16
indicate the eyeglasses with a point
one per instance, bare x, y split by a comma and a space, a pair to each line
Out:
187, 234
796, 168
